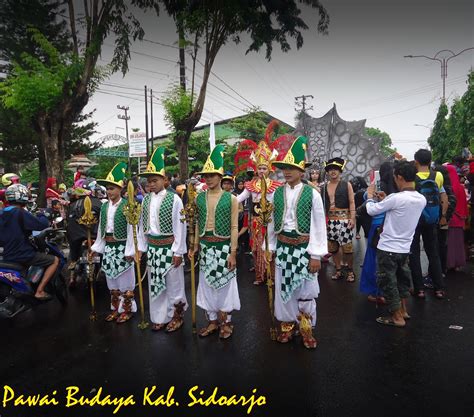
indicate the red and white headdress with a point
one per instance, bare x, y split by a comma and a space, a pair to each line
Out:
251, 154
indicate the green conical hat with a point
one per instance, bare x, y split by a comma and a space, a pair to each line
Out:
296, 155
156, 164
215, 162
115, 176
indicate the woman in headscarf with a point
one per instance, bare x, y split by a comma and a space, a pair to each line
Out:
456, 251
368, 277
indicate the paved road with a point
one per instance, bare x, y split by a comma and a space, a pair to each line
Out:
360, 368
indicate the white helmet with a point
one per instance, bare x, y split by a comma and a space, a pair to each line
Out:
17, 193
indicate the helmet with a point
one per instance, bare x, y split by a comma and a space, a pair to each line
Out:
17, 193
9, 179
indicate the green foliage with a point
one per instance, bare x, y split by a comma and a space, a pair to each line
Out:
17, 16
264, 22
438, 139
386, 144
198, 152
35, 86
454, 132
177, 104
254, 123
103, 167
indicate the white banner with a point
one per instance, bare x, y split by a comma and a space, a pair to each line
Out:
137, 145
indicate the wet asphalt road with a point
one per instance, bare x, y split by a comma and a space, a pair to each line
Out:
360, 368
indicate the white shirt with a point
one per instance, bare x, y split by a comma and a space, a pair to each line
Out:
179, 228
317, 245
99, 244
402, 212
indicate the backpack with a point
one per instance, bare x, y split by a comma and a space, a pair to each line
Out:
430, 190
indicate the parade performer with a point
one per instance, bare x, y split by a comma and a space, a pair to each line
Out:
261, 156
114, 240
216, 239
164, 233
297, 237
340, 209
227, 182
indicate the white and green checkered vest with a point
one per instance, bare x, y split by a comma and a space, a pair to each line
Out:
165, 214
304, 205
120, 222
222, 217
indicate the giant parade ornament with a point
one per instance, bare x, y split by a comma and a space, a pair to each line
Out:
332, 137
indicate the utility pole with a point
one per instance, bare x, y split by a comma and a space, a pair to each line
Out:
301, 103
301, 108
126, 118
442, 57
151, 120
146, 124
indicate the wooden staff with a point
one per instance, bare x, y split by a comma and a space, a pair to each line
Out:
189, 216
88, 219
265, 217
132, 213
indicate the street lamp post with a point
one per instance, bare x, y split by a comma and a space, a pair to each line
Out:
442, 57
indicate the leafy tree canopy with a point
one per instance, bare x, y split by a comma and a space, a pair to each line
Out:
386, 143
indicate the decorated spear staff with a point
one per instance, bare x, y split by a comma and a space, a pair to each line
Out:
265, 217
132, 213
189, 213
88, 219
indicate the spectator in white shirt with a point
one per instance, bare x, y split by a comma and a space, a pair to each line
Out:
402, 211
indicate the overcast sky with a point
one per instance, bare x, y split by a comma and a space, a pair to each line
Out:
359, 66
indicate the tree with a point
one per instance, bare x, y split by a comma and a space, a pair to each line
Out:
454, 132
72, 77
211, 24
198, 152
254, 124
438, 139
386, 140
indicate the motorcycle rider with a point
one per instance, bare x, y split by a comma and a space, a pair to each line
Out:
16, 225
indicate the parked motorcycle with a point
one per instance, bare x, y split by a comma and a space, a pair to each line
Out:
18, 284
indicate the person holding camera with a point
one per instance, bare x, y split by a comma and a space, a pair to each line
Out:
402, 211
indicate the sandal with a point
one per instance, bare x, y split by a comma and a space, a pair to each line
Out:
112, 316
310, 342
337, 275
420, 294
440, 294
174, 324
350, 276
286, 333
211, 328
156, 327
226, 330
124, 317
388, 321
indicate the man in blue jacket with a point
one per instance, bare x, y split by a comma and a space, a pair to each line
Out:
16, 224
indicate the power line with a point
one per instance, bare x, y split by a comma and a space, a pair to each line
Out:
404, 94
401, 111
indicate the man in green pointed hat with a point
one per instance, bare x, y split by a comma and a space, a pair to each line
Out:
164, 235
217, 238
297, 237
114, 239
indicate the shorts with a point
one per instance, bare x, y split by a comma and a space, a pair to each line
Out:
338, 231
42, 260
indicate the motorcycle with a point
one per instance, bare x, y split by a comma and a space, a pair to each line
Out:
18, 284
82, 267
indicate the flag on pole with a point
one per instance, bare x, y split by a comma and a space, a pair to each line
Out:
212, 134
